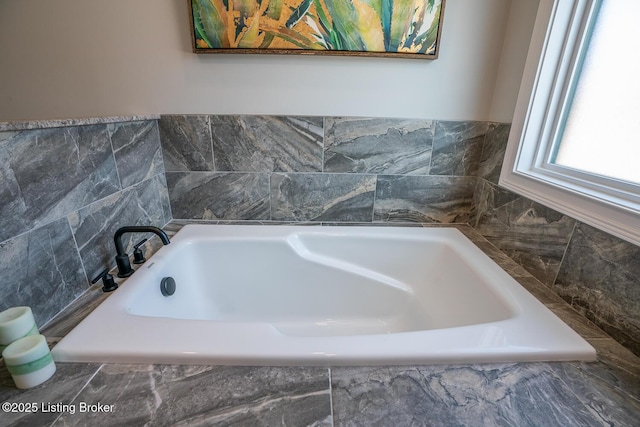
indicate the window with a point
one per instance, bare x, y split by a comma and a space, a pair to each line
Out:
575, 139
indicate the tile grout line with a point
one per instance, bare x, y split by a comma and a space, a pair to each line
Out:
375, 194
564, 254
78, 393
270, 196
113, 154
331, 398
213, 156
324, 143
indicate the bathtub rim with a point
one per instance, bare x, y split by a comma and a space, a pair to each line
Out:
576, 348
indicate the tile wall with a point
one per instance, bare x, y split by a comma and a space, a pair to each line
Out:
598, 274
63, 193
269, 168
65, 190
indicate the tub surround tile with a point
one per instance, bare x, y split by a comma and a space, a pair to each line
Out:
507, 264
493, 151
51, 172
322, 197
599, 276
50, 177
291, 148
219, 195
13, 208
542, 292
163, 197
65, 384
267, 143
457, 148
95, 225
424, 198
207, 395
57, 123
74, 313
618, 365
41, 269
531, 234
382, 146
578, 323
519, 394
469, 232
137, 151
595, 272
186, 143
600, 392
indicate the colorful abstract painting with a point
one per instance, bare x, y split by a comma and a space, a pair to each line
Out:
409, 28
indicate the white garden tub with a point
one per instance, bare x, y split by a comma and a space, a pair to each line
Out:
299, 295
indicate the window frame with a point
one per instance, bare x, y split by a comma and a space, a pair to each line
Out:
560, 33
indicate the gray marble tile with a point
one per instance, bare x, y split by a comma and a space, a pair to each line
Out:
163, 197
514, 269
493, 151
41, 269
424, 198
600, 392
469, 232
13, 209
95, 225
186, 143
481, 395
322, 197
75, 312
457, 147
137, 151
219, 195
49, 173
62, 387
529, 233
382, 146
578, 323
164, 395
542, 292
600, 274
618, 365
56, 123
267, 143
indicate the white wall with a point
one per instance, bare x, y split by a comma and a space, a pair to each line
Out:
83, 58
522, 17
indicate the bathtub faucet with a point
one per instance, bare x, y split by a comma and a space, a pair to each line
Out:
122, 259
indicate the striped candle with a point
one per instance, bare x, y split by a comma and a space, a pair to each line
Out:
29, 361
15, 323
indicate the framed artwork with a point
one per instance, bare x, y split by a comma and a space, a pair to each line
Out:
390, 28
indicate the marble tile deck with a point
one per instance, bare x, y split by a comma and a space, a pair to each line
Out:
602, 393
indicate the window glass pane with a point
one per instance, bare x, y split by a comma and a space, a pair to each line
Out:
602, 131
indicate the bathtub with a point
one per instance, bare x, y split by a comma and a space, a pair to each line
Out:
300, 295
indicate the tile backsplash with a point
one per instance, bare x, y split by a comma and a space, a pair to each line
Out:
65, 190
271, 168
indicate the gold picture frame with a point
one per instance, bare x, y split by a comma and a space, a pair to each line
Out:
380, 28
